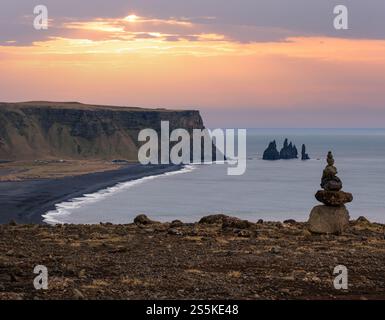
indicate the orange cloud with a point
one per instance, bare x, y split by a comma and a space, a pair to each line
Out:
175, 63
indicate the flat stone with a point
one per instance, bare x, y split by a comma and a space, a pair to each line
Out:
333, 198
328, 219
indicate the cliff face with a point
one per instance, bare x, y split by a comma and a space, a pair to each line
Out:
42, 130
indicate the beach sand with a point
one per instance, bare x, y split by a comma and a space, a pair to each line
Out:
26, 201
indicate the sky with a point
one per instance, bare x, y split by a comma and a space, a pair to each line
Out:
242, 63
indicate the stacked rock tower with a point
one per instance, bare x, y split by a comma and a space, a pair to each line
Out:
331, 217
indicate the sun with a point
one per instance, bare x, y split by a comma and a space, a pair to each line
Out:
131, 18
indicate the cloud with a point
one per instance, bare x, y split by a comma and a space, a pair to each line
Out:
240, 20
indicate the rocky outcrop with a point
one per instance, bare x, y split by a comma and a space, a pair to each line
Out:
288, 151
304, 155
46, 130
271, 153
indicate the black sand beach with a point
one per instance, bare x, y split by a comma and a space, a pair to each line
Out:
26, 201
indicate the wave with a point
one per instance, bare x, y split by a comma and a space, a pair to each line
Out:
64, 208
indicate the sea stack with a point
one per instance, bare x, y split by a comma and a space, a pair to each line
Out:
332, 217
304, 155
271, 153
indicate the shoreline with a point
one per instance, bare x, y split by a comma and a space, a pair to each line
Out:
26, 201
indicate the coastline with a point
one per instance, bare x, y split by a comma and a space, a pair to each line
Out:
26, 201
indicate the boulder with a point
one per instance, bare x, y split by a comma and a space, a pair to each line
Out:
333, 198
142, 219
235, 223
226, 221
363, 220
213, 219
328, 220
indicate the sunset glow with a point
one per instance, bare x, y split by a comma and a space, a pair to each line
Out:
181, 62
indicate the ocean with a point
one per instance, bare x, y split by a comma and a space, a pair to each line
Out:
269, 190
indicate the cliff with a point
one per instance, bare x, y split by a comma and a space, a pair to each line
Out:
71, 130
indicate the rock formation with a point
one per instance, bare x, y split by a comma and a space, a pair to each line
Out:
288, 151
271, 153
332, 217
304, 155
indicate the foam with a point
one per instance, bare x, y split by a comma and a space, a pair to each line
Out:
63, 209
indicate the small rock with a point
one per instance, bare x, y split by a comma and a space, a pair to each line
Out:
231, 222
244, 233
363, 220
260, 221
12, 223
275, 250
174, 232
13, 278
78, 295
176, 223
82, 273
290, 221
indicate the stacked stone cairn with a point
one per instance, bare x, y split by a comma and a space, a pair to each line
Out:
332, 217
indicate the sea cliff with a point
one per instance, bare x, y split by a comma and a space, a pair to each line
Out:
71, 130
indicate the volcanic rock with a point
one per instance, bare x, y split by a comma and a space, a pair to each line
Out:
329, 180
333, 198
304, 155
271, 153
288, 151
328, 219
142, 219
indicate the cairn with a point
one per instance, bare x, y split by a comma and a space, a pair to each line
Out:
332, 217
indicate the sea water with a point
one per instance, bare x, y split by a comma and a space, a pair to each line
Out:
269, 190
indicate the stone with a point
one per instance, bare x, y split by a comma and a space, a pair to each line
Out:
328, 220
333, 198
362, 220
78, 295
142, 219
174, 232
213, 219
329, 180
176, 223
290, 221
231, 222
275, 250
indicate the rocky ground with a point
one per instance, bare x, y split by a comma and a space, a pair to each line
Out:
219, 258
